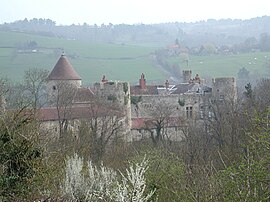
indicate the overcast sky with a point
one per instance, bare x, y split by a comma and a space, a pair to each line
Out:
131, 11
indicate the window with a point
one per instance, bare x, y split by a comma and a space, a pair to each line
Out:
201, 112
54, 87
189, 112
221, 97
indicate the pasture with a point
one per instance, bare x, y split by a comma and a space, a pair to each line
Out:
116, 61
226, 65
91, 61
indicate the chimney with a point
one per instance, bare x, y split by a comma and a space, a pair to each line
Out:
186, 76
142, 82
167, 84
104, 80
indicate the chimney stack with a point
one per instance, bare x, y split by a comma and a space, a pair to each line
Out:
186, 76
142, 82
167, 84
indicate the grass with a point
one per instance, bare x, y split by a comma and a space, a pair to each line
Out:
116, 61
226, 65
91, 60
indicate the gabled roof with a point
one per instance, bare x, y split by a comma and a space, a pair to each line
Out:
63, 70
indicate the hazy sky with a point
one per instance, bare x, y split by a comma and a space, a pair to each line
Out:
131, 11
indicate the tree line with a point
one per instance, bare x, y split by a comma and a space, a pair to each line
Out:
219, 32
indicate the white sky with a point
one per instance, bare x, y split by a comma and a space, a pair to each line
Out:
131, 11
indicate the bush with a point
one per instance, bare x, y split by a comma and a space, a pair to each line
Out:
104, 184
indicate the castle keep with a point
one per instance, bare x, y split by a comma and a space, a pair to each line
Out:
142, 110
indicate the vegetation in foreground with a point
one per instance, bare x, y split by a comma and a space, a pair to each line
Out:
227, 162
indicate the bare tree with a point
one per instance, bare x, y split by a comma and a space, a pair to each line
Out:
262, 92
34, 82
62, 99
102, 126
159, 113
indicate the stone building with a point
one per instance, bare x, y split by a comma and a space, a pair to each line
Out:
144, 110
69, 103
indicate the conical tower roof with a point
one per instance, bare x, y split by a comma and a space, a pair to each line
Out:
63, 70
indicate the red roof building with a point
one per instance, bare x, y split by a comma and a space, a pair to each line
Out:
63, 70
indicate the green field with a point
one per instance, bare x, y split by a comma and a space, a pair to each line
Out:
226, 65
116, 61
91, 61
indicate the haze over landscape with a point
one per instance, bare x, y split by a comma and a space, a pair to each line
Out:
134, 100
68, 12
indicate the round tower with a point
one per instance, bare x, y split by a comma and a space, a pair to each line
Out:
63, 73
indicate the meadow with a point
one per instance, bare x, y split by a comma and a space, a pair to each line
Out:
117, 61
226, 65
91, 61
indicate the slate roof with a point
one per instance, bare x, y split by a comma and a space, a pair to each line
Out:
63, 70
191, 87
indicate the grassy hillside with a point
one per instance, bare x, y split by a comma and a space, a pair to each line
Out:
226, 65
117, 62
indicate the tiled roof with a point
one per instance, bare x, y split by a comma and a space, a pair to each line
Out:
83, 95
63, 70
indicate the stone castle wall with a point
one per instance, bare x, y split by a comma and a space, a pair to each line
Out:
224, 89
179, 104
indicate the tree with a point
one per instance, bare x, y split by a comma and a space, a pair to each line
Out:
248, 93
62, 98
34, 83
248, 178
264, 42
105, 184
102, 127
159, 113
261, 95
243, 73
20, 155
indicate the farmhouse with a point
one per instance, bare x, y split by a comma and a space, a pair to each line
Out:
139, 111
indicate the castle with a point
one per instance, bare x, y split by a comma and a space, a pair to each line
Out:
156, 111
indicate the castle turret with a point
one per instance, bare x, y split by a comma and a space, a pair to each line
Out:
118, 93
187, 76
63, 74
63, 71
224, 89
